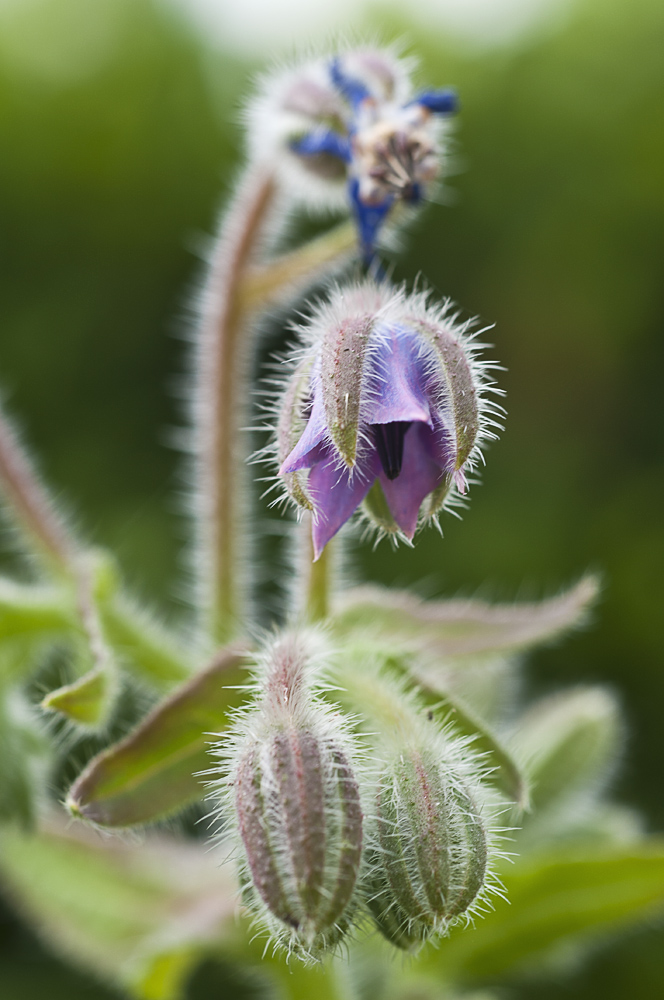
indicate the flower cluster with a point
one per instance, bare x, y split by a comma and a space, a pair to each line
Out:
354, 121
386, 408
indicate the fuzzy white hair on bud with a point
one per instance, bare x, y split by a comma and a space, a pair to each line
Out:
288, 781
433, 833
388, 408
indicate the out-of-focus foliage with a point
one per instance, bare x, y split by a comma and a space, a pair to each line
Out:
118, 137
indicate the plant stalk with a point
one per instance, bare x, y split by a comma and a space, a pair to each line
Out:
220, 407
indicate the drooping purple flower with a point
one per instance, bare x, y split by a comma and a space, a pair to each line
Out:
353, 121
384, 410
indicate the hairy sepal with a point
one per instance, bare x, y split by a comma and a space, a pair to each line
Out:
343, 356
289, 778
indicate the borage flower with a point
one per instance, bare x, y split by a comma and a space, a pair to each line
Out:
353, 121
386, 409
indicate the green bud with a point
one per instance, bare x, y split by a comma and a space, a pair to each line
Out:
431, 856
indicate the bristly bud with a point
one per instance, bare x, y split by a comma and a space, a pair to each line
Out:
432, 852
387, 408
351, 125
297, 804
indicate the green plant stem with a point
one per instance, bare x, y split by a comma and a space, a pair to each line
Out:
30, 504
221, 405
269, 284
314, 581
48, 535
238, 291
363, 689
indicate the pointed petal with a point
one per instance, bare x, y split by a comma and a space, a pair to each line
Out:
336, 494
440, 446
304, 453
419, 476
369, 218
440, 102
397, 389
322, 141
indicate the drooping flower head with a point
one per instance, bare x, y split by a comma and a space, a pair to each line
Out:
352, 126
386, 408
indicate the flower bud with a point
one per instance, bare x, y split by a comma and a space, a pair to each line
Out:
297, 806
431, 853
352, 126
387, 409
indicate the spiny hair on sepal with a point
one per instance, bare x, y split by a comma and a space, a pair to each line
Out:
288, 781
373, 359
433, 833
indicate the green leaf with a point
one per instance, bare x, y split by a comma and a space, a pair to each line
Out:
139, 915
504, 769
136, 639
31, 616
25, 759
87, 700
459, 630
570, 743
558, 902
152, 772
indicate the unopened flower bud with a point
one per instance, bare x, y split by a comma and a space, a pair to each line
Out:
387, 409
431, 855
353, 124
297, 805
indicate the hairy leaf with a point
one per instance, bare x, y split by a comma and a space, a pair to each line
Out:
460, 630
152, 772
558, 902
140, 915
87, 700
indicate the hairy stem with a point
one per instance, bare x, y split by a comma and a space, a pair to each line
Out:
47, 532
314, 581
29, 503
221, 404
287, 275
48, 536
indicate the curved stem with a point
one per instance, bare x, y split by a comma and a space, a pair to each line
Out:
220, 405
287, 275
30, 504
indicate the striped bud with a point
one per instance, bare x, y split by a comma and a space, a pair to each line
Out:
431, 853
297, 806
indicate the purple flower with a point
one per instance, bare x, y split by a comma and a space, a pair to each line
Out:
353, 121
384, 410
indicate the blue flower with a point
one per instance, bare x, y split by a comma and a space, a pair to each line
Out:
354, 119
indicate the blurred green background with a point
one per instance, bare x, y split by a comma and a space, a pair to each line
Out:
119, 139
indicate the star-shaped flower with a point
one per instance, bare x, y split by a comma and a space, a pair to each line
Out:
354, 121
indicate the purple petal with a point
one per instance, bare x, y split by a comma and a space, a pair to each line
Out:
336, 494
397, 388
440, 446
307, 451
419, 476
